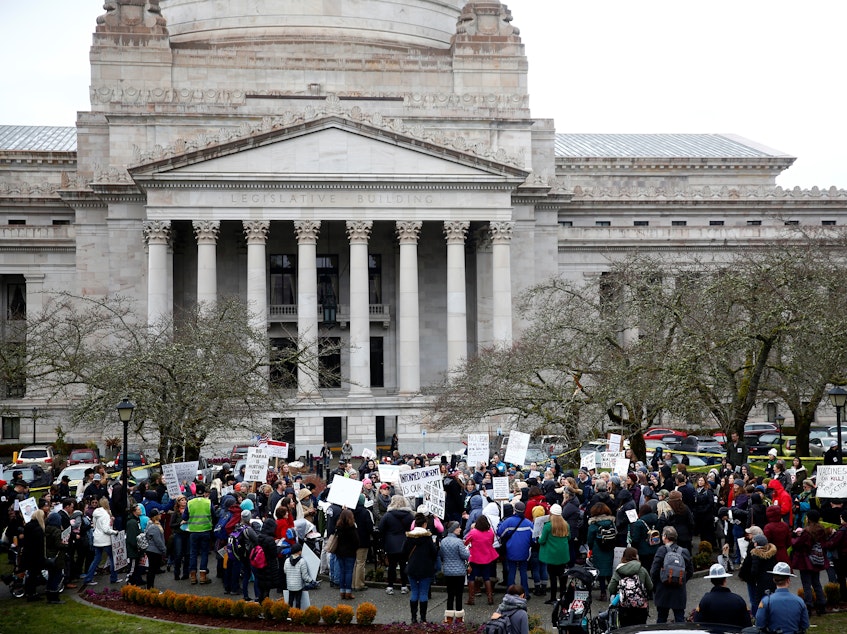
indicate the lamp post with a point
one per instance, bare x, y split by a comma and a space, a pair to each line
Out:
125, 410
838, 398
779, 421
34, 419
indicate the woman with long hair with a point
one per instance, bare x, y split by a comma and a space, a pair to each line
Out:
681, 518
180, 545
809, 557
348, 543
393, 527
34, 557
555, 550
704, 510
602, 555
103, 531
632, 580
480, 541
156, 547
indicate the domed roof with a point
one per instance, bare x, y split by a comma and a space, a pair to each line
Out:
417, 23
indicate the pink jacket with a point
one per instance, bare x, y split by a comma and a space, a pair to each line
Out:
481, 545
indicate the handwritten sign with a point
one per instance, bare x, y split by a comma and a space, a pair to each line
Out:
256, 466
413, 481
516, 449
119, 553
832, 481
66, 535
614, 443
275, 448
588, 461
478, 450
368, 454
500, 491
176, 473
434, 497
609, 459
622, 465
632, 516
389, 473
344, 492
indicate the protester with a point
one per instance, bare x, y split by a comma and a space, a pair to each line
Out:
513, 607
393, 527
420, 551
156, 547
297, 575
756, 567
809, 557
103, 531
602, 551
348, 543
515, 533
480, 541
555, 549
670, 596
632, 582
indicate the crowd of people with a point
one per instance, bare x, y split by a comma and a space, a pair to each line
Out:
638, 530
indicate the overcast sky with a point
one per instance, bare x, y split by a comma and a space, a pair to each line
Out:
768, 70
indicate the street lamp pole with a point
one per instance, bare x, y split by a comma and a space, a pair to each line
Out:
125, 410
838, 398
34, 419
779, 421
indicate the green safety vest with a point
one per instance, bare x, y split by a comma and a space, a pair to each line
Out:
199, 515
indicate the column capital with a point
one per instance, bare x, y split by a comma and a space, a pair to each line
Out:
206, 231
456, 231
359, 231
408, 231
307, 231
256, 231
501, 232
157, 231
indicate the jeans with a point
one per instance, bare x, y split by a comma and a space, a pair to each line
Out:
811, 579
345, 573
199, 546
419, 589
662, 615
98, 554
539, 569
480, 570
182, 549
510, 575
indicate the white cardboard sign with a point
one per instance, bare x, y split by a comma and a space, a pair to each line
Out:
368, 454
176, 473
614, 443
622, 466
478, 449
344, 492
435, 497
832, 481
389, 473
608, 459
27, 508
500, 491
516, 449
256, 467
589, 461
275, 448
413, 481
119, 553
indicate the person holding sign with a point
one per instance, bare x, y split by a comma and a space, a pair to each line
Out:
102, 525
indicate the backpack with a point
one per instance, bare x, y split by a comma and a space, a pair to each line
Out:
816, 556
632, 592
239, 544
220, 527
257, 557
141, 541
607, 536
500, 625
673, 567
654, 537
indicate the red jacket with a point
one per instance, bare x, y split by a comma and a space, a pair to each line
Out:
532, 503
782, 499
778, 533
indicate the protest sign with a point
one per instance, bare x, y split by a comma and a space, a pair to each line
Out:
27, 507
413, 481
176, 473
608, 459
832, 481
368, 454
501, 488
66, 535
516, 449
622, 466
389, 473
434, 497
614, 443
171, 481
478, 450
256, 468
275, 448
588, 461
344, 492
119, 553
632, 516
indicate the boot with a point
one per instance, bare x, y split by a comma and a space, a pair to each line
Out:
471, 592
424, 605
449, 615
193, 576
413, 607
204, 577
489, 591
603, 596
53, 598
459, 616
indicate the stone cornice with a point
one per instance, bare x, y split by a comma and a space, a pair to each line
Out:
330, 107
689, 193
669, 164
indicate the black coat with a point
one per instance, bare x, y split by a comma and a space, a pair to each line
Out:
393, 527
420, 551
267, 576
34, 546
721, 605
672, 597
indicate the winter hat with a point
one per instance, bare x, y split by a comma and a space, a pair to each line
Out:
247, 505
760, 540
555, 510
452, 526
739, 483
246, 515
772, 452
537, 511
753, 530
520, 507
508, 510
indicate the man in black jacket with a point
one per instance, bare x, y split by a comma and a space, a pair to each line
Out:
721, 605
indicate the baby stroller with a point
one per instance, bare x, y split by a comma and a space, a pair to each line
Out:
572, 612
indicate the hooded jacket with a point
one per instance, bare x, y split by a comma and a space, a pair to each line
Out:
267, 576
781, 498
514, 608
629, 569
392, 527
420, 551
762, 561
476, 511
778, 533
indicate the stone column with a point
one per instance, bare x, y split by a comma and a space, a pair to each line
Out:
408, 324
457, 308
358, 232
256, 233
307, 304
157, 234
501, 238
206, 232
484, 287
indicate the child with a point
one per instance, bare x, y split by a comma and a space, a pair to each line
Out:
296, 575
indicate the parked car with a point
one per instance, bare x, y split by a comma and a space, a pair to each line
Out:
658, 433
761, 444
36, 453
818, 446
238, 452
35, 475
789, 445
134, 459
754, 429
79, 456
720, 437
75, 473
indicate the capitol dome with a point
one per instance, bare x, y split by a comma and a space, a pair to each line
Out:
222, 23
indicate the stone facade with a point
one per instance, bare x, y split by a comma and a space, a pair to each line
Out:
386, 147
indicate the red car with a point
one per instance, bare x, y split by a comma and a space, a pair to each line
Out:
80, 456
657, 433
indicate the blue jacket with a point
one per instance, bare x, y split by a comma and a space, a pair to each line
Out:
520, 540
782, 610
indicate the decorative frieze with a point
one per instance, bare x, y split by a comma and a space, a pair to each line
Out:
408, 231
157, 231
111, 176
256, 231
206, 231
456, 231
307, 231
359, 231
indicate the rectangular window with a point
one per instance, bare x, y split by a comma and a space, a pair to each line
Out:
57, 223
327, 270
566, 223
283, 360
11, 428
754, 223
377, 362
17, 221
792, 223
332, 431
374, 278
827, 223
283, 273
329, 350
15, 301
641, 223
716, 223
679, 223
602, 223
380, 431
